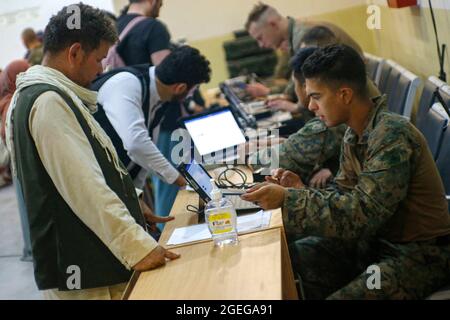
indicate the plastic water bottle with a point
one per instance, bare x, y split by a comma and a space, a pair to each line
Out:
221, 218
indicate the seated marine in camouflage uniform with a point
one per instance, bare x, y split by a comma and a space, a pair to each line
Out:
386, 215
313, 152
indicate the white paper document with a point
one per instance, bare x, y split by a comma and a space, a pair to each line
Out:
200, 232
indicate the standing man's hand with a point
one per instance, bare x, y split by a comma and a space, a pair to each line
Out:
151, 218
156, 258
181, 181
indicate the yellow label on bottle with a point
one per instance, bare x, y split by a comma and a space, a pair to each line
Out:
220, 223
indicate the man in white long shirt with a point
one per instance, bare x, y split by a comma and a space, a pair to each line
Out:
86, 223
129, 101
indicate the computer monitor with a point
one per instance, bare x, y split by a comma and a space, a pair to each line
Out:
214, 131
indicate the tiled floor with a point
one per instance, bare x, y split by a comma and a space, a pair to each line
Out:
16, 276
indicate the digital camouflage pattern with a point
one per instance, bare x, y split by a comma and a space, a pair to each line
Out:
380, 195
338, 270
309, 150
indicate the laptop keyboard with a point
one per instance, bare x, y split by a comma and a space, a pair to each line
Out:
240, 204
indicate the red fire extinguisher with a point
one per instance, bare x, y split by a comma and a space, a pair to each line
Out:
401, 3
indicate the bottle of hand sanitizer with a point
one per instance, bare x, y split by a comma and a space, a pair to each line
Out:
221, 218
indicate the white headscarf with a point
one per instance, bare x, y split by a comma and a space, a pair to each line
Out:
84, 99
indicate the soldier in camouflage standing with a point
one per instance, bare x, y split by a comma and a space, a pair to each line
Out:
387, 210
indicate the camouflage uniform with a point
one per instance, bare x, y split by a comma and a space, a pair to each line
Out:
387, 207
297, 30
310, 149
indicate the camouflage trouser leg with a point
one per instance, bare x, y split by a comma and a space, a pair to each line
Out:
323, 265
412, 271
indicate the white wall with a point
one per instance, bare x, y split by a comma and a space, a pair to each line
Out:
20, 14
191, 19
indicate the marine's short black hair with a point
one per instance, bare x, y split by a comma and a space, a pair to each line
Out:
319, 36
184, 65
337, 65
94, 27
299, 59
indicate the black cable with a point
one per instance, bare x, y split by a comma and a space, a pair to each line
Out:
441, 55
224, 182
192, 209
441, 101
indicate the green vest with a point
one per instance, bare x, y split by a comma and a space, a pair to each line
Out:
59, 238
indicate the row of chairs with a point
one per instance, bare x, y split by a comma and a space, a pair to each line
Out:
391, 77
433, 121
432, 118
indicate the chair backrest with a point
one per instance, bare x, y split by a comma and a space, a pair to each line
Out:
374, 66
445, 94
385, 72
400, 99
391, 90
427, 99
401, 87
443, 163
433, 126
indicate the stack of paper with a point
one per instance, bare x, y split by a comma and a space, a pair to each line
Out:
198, 232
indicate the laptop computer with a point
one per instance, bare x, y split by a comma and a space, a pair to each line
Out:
200, 180
247, 120
215, 134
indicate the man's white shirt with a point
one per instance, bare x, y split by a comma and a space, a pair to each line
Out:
121, 98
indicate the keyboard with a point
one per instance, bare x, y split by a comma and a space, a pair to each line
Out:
241, 205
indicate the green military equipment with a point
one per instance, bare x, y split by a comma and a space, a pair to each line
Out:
242, 48
261, 65
240, 33
244, 56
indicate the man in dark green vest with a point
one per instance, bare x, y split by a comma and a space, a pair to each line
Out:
87, 228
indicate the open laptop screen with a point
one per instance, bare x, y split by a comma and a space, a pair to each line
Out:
215, 131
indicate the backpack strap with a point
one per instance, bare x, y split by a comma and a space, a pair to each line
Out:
140, 71
130, 26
